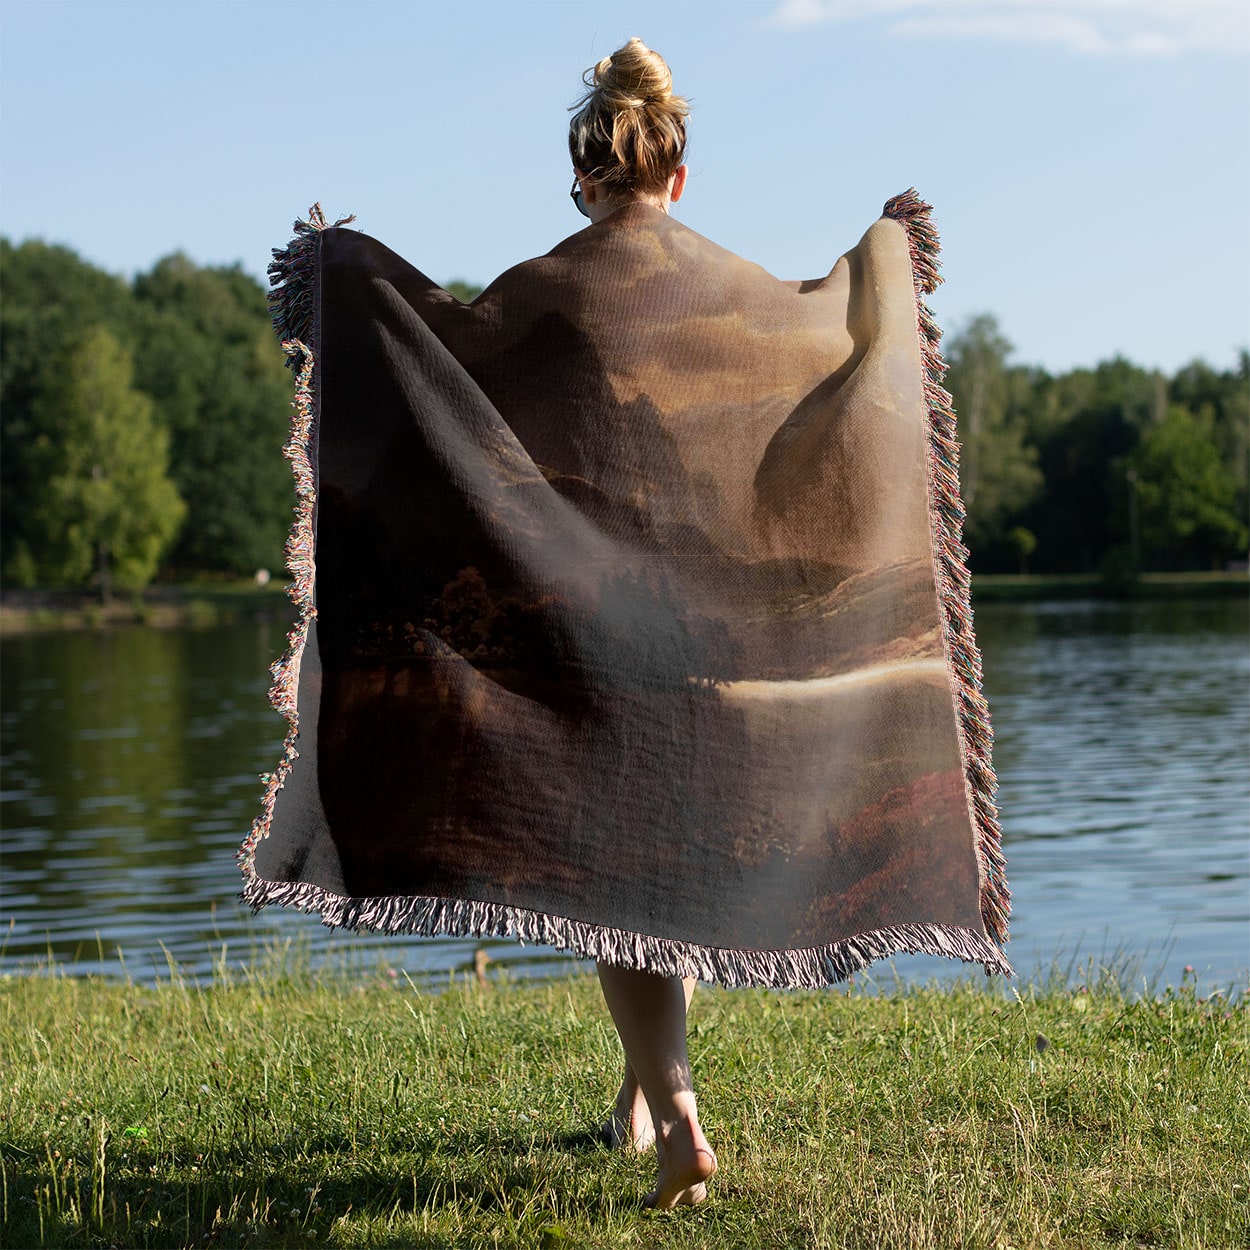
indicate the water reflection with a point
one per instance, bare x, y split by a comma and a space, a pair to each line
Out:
131, 762
1123, 734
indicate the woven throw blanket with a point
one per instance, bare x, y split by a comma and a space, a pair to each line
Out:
633, 612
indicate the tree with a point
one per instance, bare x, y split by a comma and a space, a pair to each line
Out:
102, 506
208, 358
51, 297
1087, 423
997, 466
1187, 494
1024, 543
1223, 400
465, 292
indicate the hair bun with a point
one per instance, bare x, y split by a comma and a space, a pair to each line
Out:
633, 76
629, 129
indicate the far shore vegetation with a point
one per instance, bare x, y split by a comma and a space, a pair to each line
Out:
141, 424
224, 601
275, 1106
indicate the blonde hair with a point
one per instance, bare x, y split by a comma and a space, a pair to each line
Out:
629, 131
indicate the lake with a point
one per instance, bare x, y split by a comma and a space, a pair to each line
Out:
131, 759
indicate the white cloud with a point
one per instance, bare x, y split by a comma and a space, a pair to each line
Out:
1136, 28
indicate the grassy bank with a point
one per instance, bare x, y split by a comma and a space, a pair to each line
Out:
283, 1110
213, 603
997, 587
193, 603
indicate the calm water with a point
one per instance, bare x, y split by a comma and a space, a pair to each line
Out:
1123, 749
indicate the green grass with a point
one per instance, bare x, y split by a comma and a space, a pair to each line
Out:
282, 1108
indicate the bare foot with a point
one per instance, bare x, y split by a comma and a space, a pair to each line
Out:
686, 1165
629, 1126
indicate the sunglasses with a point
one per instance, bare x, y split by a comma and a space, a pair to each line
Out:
576, 196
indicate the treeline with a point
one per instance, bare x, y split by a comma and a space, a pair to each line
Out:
1113, 470
140, 424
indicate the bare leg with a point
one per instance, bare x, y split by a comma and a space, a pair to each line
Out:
629, 1127
649, 1012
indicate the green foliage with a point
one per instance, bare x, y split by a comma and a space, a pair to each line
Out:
998, 467
1222, 401
1187, 491
51, 297
1056, 457
208, 357
465, 292
204, 356
52, 281
1024, 542
1084, 511
100, 503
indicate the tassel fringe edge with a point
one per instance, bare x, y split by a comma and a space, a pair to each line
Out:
293, 303
954, 584
810, 968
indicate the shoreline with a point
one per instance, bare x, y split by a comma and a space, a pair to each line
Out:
175, 606
1035, 587
196, 604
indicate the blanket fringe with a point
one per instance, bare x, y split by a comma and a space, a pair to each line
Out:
293, 304
810, 968
946, 513
293, 278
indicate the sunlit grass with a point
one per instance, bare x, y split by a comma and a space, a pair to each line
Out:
277, 1107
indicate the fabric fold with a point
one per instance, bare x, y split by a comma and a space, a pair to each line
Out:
633, 612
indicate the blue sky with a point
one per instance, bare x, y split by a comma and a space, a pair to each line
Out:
1087, 159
